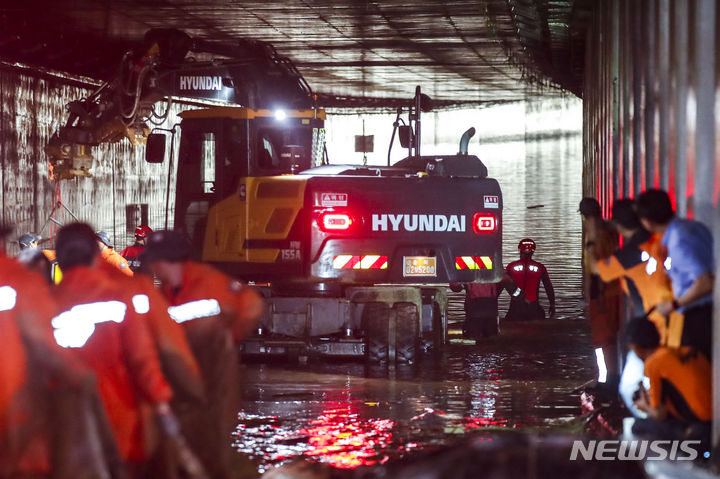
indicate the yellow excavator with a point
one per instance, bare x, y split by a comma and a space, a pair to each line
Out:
356, 258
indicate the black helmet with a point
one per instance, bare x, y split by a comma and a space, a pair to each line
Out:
28, 239
104, 237
76, 245
590, 207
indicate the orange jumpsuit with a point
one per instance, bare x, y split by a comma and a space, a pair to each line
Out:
100, 324
25, 312
644, 275
680, 379
215, 311
14, 412
110, 256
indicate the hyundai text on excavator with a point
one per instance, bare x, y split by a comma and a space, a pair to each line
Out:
356, 258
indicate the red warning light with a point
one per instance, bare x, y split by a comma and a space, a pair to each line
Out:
335, 222
484, 223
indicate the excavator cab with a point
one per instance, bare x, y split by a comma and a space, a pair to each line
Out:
223, 151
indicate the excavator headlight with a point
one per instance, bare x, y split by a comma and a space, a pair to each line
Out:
280, 115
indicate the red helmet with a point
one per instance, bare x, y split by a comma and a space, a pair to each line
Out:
527, 246
142, 231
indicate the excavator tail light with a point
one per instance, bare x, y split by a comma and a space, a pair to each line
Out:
484, 223
335, 222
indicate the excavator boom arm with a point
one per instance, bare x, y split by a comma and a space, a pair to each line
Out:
248, 73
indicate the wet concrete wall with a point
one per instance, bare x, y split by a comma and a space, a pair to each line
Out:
31, 109
649, 97
650, 110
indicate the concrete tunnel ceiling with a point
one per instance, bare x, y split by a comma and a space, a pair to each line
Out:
354, 53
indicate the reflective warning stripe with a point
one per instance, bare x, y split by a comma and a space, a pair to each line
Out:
369, 261
141, 303
473, 262
73, 328
8, 298
201, 308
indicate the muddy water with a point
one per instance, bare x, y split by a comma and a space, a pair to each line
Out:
349, 415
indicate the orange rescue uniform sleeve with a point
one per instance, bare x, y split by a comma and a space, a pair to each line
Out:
652, 366
609, 269
111, 257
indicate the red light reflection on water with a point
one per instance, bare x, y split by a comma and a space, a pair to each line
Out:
340, 438
343, 439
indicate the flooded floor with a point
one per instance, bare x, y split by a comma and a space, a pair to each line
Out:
347, 415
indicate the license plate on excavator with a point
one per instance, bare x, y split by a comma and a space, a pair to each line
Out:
420, 266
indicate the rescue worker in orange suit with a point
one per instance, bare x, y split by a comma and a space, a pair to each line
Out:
39, 434
645, 284
603, 299
527, 274
679, 400
23, 451
40, 261
110, 256
100, 325
178, 361
216, 312
176, 357
132, 253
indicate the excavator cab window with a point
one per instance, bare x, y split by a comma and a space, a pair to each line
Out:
197, 160
199, 176
207, 158
283, 150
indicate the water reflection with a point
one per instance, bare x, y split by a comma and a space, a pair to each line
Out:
349, 415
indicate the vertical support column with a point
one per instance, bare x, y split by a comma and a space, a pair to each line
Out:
626, 79
704, 70
706, 209
680, 69
638, 54
618, 172
650, 55
665, 98
606, 165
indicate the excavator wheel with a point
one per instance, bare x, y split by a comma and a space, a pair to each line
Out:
392, 334
375, 324
407, 332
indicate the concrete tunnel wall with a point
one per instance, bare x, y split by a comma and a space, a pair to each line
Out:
651, 112
31, 109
